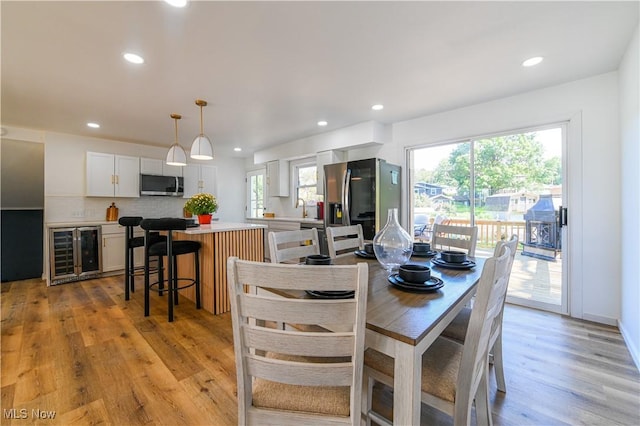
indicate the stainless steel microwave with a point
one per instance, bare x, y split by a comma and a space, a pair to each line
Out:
172, 186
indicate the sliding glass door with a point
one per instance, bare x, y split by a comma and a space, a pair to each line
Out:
504, 184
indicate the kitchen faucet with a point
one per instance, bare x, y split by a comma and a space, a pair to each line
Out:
304, 207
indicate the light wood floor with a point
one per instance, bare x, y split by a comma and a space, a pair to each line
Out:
81, 351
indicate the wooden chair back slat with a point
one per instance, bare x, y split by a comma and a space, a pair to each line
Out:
341, 239
446, 237
292, 246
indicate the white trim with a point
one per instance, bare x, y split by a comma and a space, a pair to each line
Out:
600, 319
248, 175
571, 124
635, 355
534, 304
294, 166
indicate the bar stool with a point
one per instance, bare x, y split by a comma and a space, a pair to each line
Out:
130, 243
172, 249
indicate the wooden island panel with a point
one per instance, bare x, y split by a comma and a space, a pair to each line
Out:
217, 247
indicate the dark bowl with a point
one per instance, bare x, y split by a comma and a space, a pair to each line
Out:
368, 248
453, 256
414, 273
318, 259
421, 247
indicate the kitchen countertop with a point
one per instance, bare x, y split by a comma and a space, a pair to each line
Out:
80, 223
222, 227
289, 219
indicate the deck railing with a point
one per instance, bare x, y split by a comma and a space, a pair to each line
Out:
492, 231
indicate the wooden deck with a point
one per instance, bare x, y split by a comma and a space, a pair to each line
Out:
533, 279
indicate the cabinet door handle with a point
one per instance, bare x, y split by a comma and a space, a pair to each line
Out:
113, 179
117, 180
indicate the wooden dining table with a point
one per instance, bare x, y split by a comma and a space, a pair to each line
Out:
404, 324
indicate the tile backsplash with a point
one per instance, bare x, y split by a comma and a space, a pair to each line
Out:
87, 209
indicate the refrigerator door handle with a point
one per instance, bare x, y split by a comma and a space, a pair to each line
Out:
346, 211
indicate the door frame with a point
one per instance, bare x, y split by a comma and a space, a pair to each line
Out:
571, 298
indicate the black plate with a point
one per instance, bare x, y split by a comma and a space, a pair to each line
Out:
467, 264
421, 288
431, 282
364, 254
430, 253
331, 294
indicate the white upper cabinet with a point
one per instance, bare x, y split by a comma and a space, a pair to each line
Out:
199, 178
278, 178
152, 166
109, 175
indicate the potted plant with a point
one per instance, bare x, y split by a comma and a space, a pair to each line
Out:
202, 204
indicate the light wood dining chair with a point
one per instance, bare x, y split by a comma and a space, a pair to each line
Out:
344, 239
457, 330
447, 237
292, 246
454, 375
292, 377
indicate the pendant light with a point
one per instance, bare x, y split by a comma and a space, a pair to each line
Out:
176, 155
201, 148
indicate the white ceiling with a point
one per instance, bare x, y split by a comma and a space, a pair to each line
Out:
271, 70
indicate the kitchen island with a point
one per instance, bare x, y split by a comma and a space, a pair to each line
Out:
219, 241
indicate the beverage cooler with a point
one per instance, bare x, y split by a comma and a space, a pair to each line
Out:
75, 253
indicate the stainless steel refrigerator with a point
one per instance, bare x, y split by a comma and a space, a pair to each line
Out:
361, 192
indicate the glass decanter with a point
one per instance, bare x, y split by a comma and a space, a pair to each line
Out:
392, 245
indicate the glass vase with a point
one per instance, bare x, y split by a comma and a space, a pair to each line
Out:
392, 245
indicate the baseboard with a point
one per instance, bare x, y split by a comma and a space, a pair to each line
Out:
600, 319
632, 350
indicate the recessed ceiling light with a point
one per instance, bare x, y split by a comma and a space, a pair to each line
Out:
93, 125
133, 58
377, 107
237, 149
322, 123
532, 61
176, 3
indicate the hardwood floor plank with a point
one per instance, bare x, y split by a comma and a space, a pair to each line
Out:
80, 350
93, 413
11, 348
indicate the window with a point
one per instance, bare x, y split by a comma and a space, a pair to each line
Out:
255, 193
305, 181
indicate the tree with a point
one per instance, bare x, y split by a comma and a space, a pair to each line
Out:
513, 162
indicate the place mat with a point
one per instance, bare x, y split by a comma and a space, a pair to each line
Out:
331, 294
467, 264
398, 282
430, 253
364, 254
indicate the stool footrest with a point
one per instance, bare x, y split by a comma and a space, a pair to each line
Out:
191, 283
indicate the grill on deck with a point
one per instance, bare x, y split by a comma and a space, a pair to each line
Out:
542, 233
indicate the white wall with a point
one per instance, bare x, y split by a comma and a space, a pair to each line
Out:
591, 107
64, 174
629, 73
